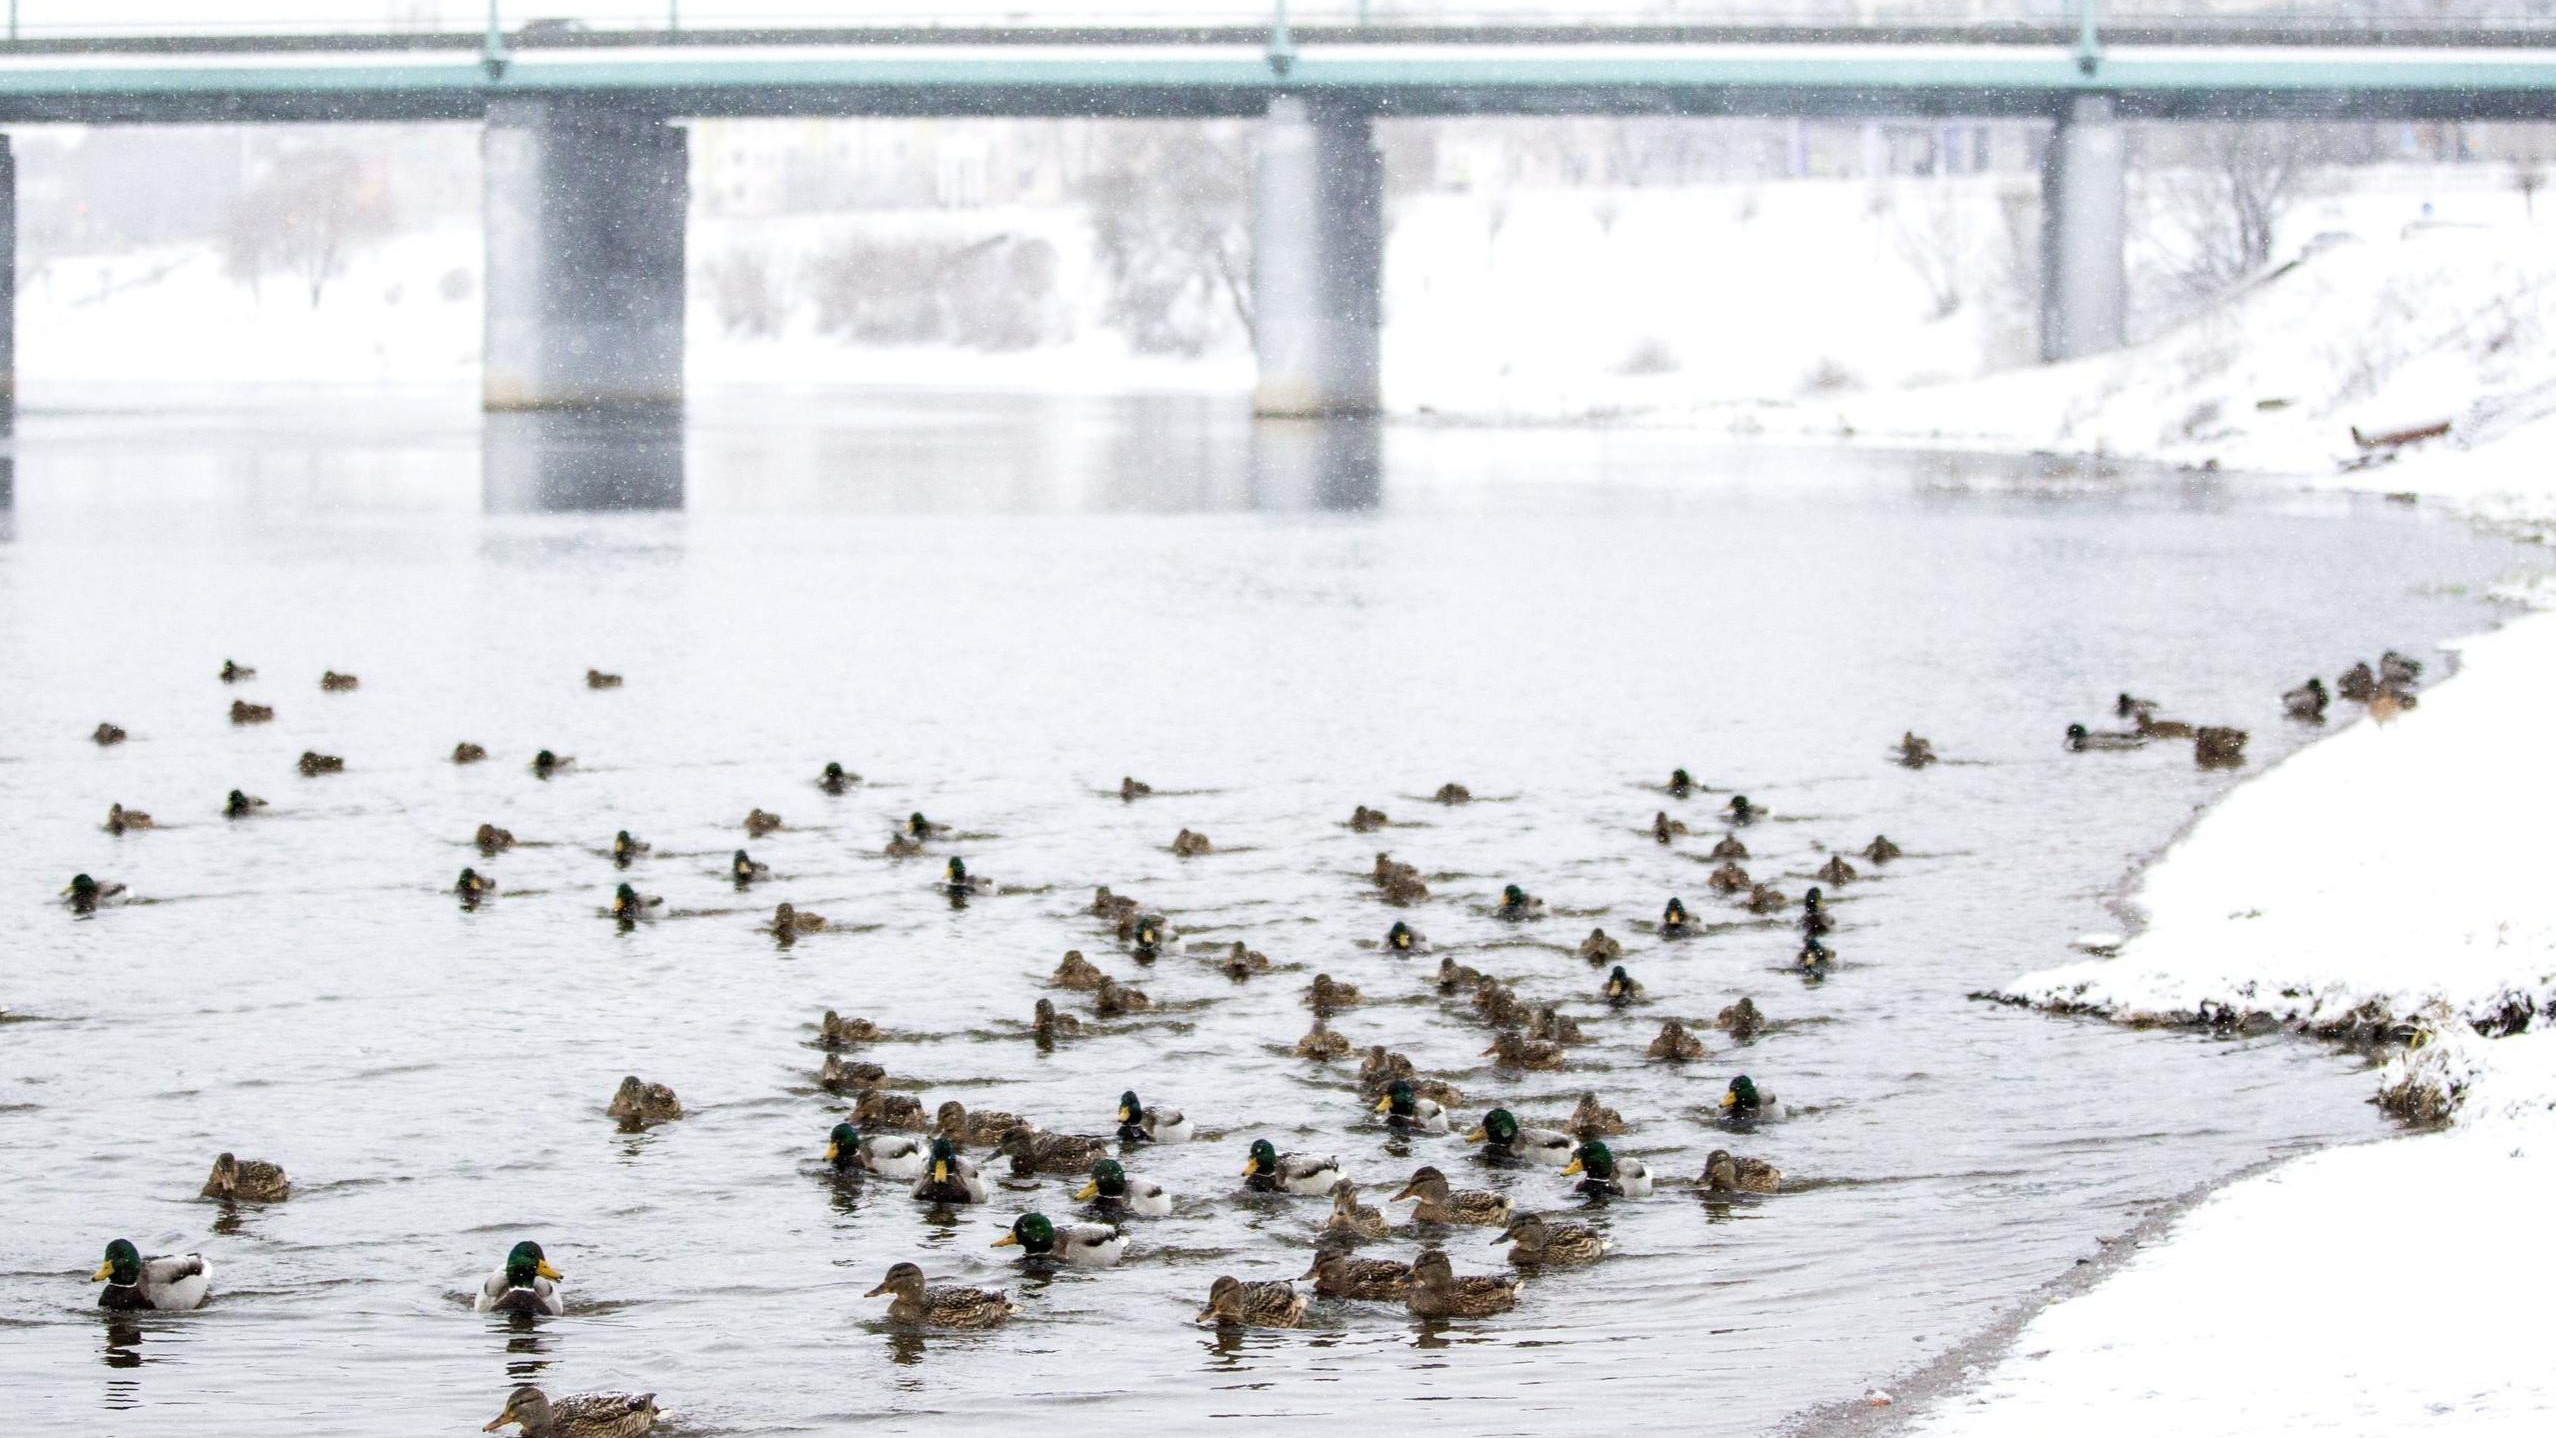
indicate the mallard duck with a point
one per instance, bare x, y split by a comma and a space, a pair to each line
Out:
1453, 794
840, 1075
84, 894
2389, 702
625, 848
957, 882
1404, 939
1321, 1043
174, 1284
1113, 1189
1366, 821
1381, 1067
628, 904
1350, 1218
120, 819
2308, 701
890, 1156
335, 683
1512, 1049
239, 806
2397, 671
948, 1178
1189, 844
2217, 747
1597, 948
1725, 1174
234, 673
836, 1031
1742, 1101
1740, 811
1675, 1044
468, 753
1836, 871
1268, 1171
2126, 706
1453, 976
644, 1103
492, 840
1816, 919
1517, 903
1680, 784
1436, 1203
952, 1307
471, 886
313, 763
1402, 890
255, 1181
1140, 1124
1546, 1022
1501, 1136
243, 712
744, 869
790, 921
958, 1123
579, 1415
1271, 1304
1814, 956
106, 734
1077, 1245
1535, 1243
1740, 1020
1499, 1005
1915, 753
546, 763
901, 847
1606, 1175
1675, 922
1114, 998
1728, 878
1881, 850
525, 1283
759, 822
1665, 829
1337, 1274
1592, 1119
1326, 995
918, 827
1621, 988
1131, 788
597, 679
1036, 1151
1435, 1291
1050, 1025
1405, 1110
834, 778
1076, 972
880, 1108
1146, 937
1764, 899
1242, 961
2082, 740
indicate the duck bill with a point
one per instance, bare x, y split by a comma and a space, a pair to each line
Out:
940, 1170
105, 1272
1574, 1166
1384, 1103
1250, 1167
1399, 1197
545, 1270
500, 1421
1126, 1114
1006, 1241
1206, 1315
1087, 1192
1477, 1135
833, 1152
1729, 1099
878, 1292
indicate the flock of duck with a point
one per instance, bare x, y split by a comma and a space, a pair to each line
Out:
889, 1137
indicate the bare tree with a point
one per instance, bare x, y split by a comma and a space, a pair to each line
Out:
746, 293
2221, 191
1171, 219
305, 217
1934, 236
2529, 177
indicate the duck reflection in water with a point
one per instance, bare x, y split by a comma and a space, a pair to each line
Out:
123, 1350
527, 1349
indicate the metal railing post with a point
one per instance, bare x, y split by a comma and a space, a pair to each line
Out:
1282, 46
674, 17
492, 49
2089, 45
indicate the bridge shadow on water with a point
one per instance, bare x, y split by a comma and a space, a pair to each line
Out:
582, 460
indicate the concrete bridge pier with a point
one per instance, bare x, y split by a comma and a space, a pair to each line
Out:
585, 208
8, 292
1317, 262
2084, 204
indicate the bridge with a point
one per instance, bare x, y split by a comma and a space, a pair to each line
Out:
585, 162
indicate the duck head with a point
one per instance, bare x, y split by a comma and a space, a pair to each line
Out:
1263, 1159
842, 1143
1130, 1110
123, 1265
1109, 1180
83, 889
916, 825
741, 866
955, 871
1592, 1158
1400, 936
1740, 1096
1031, 1233
1680, 781
1399, 1100
1499, 1126
904, 1280
1426, 1183
1526, 1231
1675, 913
1513, 897
1619, 984
524, 1263
625, 900
528, 1406
944, 1160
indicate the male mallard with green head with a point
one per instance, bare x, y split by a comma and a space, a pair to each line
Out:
1607, 1176
958, 883
1269, 1171
579, 1415
1436, 1203
744, 869
630, 906
1517, 903
84, 894
948, 1178
239, 806
1675, 1044
177, 1283
918, 827
1725, 1174
1406, 1112
1435, 1290
234, 673
893, 1156
1077, 1245
1815, 957
1404, 939
472, 886
1112, 1189
1535, 1243
1138, 1123
2082, 740
834, 778
1675, 922
1338, 1274
1681, 784
917, 1305
1271, 1304
635, 1102
546, 763
1741, 1102
1503, 1137
1816, 919
2308, 701
252, 1181
525, 1283
1740, 811
626, 848
1620, 988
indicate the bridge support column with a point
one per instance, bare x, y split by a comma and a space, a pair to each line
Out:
2084, 290
8, 290
584, 216
1317, 262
